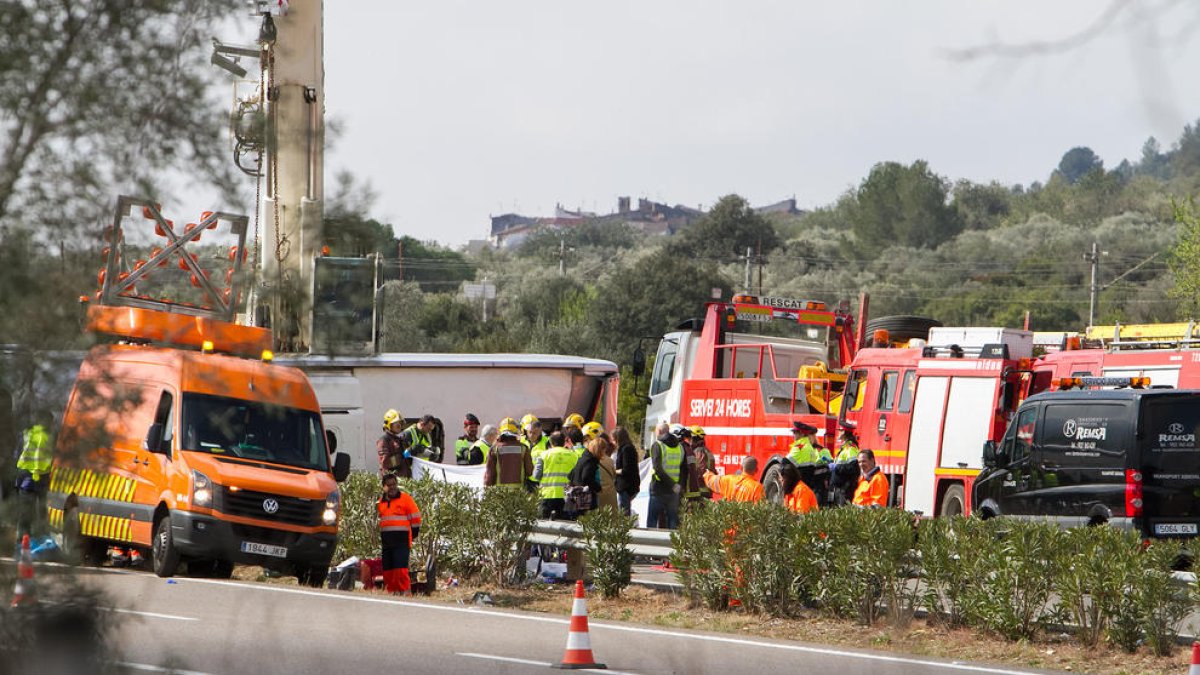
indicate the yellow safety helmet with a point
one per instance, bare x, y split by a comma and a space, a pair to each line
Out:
574, 420
698, 431
592, 430
528, 420
508, 426
391, 417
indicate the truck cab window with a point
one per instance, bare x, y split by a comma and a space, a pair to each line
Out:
664, 367
856, 387
907, 389
887, 390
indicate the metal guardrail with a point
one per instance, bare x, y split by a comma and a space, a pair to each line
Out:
569, 534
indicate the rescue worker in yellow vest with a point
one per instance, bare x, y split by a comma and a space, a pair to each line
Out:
844, 472
465, 442
693, 473
33, 477
419, 441
805, 449
533, 438
478, 452
666, 456
552, 474
509, 462
399, 525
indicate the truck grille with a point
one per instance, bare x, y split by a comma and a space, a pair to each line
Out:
248, 504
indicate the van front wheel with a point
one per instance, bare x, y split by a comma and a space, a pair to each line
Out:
165, 555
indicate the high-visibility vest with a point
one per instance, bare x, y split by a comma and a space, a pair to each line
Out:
483, 447
872, 490
804, 452
35, 454
801, 500
556, 470
848, 453
418, 442
672, 459
736, 488
691, 487
461, 446
399, 515
537, 449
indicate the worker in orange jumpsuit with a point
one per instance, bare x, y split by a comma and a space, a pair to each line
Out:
399, 525
740, 487
872, 487
801, 499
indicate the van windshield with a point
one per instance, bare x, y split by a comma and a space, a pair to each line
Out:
253, 430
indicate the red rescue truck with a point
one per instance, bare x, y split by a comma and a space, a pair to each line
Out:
747, 370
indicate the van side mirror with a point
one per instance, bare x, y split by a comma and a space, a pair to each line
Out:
989, 454
330, 441
638, 363
341, 467
154, 438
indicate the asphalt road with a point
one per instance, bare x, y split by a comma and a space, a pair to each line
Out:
230, 627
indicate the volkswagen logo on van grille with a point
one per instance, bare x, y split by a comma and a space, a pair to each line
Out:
1175, 428
270, 505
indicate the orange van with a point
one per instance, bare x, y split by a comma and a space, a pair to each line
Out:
192, 454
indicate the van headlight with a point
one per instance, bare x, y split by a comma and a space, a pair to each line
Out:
202, 490
333, 504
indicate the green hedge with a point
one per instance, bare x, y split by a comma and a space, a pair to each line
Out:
999, 575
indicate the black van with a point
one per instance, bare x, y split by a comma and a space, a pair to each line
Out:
1127, 457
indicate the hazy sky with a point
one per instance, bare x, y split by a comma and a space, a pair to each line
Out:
456, 110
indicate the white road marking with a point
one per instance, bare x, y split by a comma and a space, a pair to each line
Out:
152, 615
543, 664
828, 651
145, 667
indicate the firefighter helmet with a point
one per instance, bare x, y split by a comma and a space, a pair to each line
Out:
391, 417
592, 430
697, 431
508, 426
574, 420
528, 420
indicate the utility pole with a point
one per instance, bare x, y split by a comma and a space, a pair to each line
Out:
562, 256
759, 259
1094, 291
746, 283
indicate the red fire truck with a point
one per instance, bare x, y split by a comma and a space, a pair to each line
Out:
747, 370
1168, 354
927, 410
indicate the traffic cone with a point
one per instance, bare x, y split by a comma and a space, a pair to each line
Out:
579, 645
1195, 669
25, 591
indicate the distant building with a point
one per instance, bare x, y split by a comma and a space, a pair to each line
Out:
510, 229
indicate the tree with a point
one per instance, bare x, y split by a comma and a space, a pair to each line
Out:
96, 94
1185, 258
1077, 163
906, 205
982, 207
726, 231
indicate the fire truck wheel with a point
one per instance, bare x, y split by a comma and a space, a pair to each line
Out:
164, 555
954, 501
902, 327
773, 485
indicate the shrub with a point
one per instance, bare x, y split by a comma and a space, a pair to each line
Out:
705, 569
1159, 601
867, 564
506, 515
1099, 563
606, 532
358, 529
951, 550
1015, 578
771, 549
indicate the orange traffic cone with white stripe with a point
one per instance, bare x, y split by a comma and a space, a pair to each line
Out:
1195, 669
25, 592
579, 645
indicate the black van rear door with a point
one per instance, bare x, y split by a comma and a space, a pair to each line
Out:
1081, 459
1170, 463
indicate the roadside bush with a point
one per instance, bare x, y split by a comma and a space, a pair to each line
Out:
705, 568
460, 530
771, 544
506, 516
1099, 563
951, 550
1158, 600
1015, 578
606, 532
868, 564
358, 529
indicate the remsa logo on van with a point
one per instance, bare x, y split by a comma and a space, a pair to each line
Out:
1176, 438
720, 407
1074, 429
